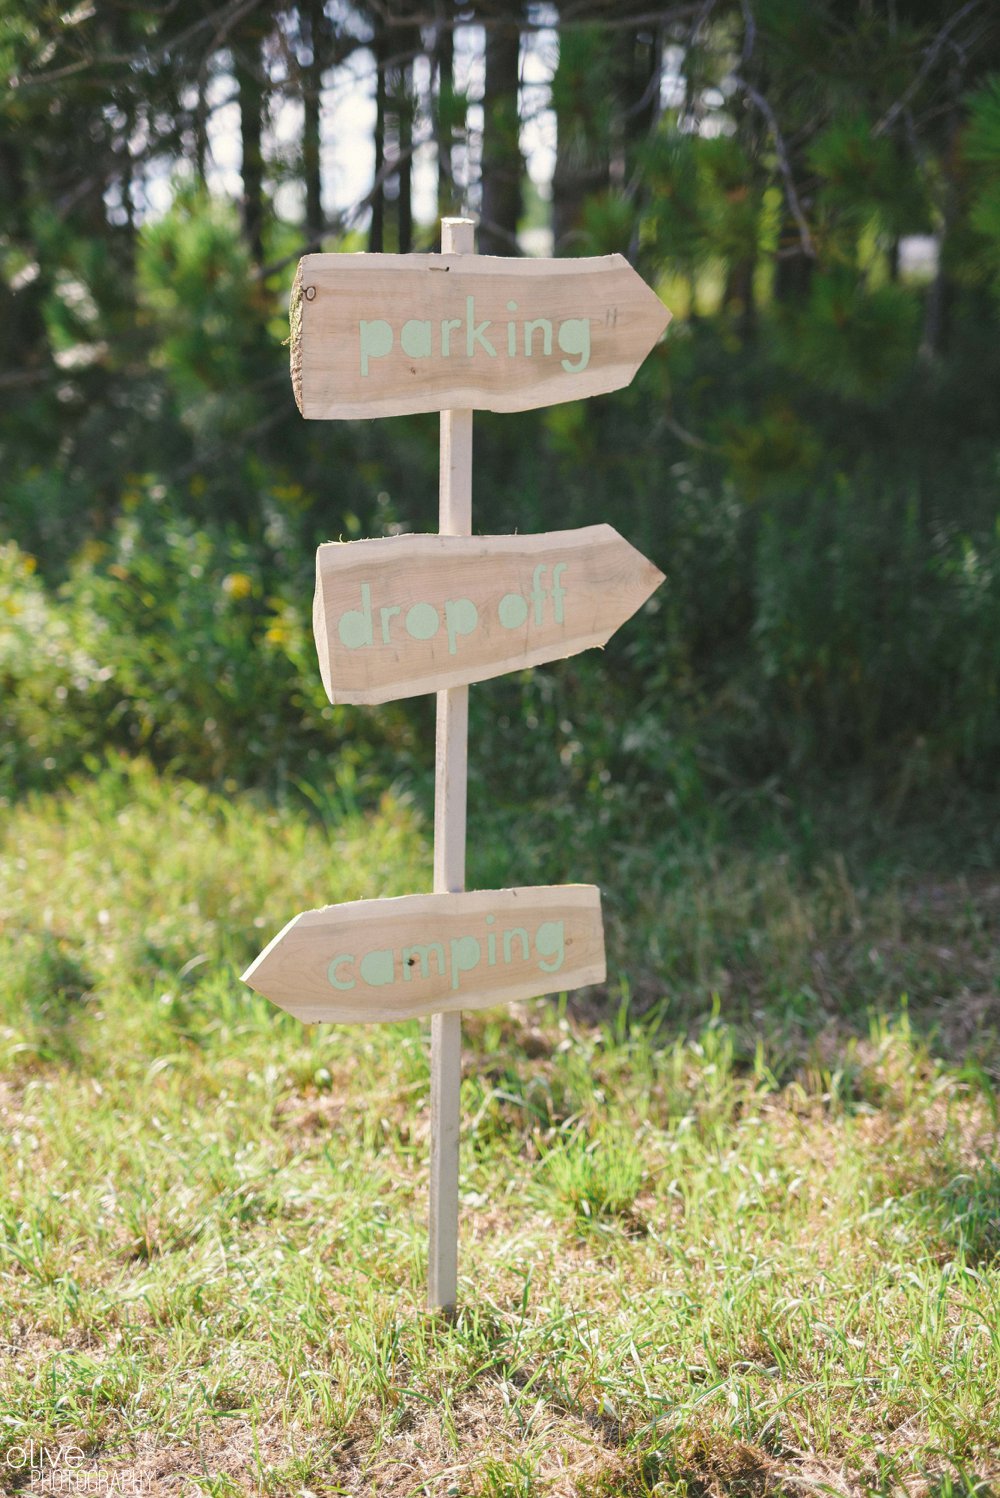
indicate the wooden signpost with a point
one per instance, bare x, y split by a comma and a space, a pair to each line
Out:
383, 335
410, 614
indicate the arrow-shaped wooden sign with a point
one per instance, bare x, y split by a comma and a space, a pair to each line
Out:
410, 614
382, 960
386, 335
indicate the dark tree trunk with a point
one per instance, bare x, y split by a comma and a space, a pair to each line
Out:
201, 125
940, 293
893, 258
938, 305
793, 272
739, 295
314, 35
643, 71
23, 338
249, 79
405, 117
128, 179
583, 160
394, 49
376, 232
502, 166
444, 52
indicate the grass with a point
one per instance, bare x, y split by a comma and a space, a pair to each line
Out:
741, 1245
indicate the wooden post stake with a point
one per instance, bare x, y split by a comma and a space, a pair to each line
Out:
450, 779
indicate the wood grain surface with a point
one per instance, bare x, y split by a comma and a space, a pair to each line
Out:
410, 614
387, 335
373, 961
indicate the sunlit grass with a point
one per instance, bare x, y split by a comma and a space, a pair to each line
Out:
689, 1264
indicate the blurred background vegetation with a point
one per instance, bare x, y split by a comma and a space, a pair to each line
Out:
812, 455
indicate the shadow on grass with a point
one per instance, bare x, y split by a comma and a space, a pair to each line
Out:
47, 987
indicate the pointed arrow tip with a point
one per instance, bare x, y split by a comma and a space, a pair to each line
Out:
648, 575
659, 313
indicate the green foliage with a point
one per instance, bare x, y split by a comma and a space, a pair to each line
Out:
730, 200
167, 638
596, 1179
981, 141
606, 225
879, 630
773, 453
190, 636
981, 148
53, 682
579, 91
205, 313
849, 339
864, 175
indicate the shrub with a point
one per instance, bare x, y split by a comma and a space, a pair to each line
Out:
54, 686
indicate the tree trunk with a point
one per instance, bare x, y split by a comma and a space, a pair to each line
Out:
793, 272
250, 82
405, 118
581, 95
940, 294
313, 27
643, 67
201, 125
376, 232
444, 52
502, 166
24, 340
128, 180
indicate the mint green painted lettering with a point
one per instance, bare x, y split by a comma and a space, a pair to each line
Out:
550, 943
378, 968
475, 332
385, 614
538, 593
508, 943
331, 972
465, 955
529, 333
423, 954
574, 338
416, 338
448, 326
376, 342
512, 610
460, 618
558, 592
355, 626
422, 621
